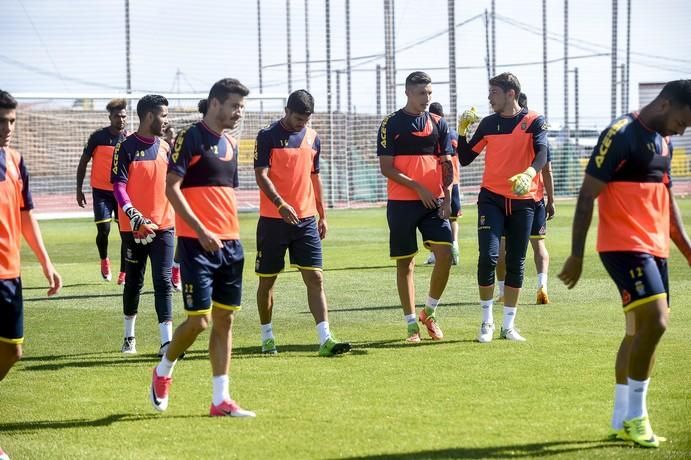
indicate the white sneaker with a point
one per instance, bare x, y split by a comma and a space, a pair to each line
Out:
486, 333
511, 334
430, 260
129, 346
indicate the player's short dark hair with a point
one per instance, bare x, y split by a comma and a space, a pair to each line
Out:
116, 105
203, 106
506, 81
678, 92
436, 108
301, 102
7, 102
417, 78
225, 87
149, 104
523, 101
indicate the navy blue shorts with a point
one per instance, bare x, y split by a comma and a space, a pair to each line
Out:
539, 229
275, 236
640, 277
210, 278
404, 217
11, 311
105, 205
456, 210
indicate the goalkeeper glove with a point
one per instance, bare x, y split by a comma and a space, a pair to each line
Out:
520, 183
143, 230
468, 118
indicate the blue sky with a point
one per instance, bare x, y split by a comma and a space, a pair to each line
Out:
78, 46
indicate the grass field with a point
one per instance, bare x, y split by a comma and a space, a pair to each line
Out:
74, 395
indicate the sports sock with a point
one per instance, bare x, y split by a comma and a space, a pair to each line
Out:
323, 332
129, 325
165, 367
621, 403
509, 317
431, 305
542, 280
221, 392
267, 331
487, 316
166, 330
638, 391
410, 319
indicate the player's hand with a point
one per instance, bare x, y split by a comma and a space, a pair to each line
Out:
53, 277
81, 199
208, 240
520, 183
550, 210
428, 199
444, 208
571, 272
143, 230
322, 228
288, 214
468, 118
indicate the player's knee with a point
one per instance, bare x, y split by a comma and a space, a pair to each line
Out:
103, 229
314, 279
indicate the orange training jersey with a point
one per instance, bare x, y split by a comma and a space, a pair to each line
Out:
14, 198
292, 157
416, 142
142, 164
510, 145
100, 147
208, 163
635, 163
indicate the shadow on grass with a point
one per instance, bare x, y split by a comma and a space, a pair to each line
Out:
42, 288
37, 425
59, 297
538, 449
374, 267
392, 307
108, 359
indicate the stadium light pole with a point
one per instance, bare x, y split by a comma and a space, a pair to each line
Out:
389, 51
332, 174
259, 56
289, 59
127, 47
349, 108
378, 88
494, 40
566, 71
628, 55
488, 62
615, 13
545, 94
453, 103
307, 45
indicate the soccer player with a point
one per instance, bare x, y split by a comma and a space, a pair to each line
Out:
16, 221
100, 147
140, 164
629, 174
414, 150
544, 211
515, 143
169, 137
200, 185
286, 168
437, 109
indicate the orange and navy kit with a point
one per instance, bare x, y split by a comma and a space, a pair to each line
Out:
292, 157
633, 230
100, 148
511, 145
416, 142
15, 197
208, 163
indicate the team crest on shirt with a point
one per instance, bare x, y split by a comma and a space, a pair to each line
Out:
625, 297
524, 126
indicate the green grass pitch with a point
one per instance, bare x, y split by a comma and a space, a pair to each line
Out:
74, 395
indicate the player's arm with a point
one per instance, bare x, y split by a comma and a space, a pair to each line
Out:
472, 143
209, 241
32, 234
318, 188
81, 169
548, 180
521, 183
